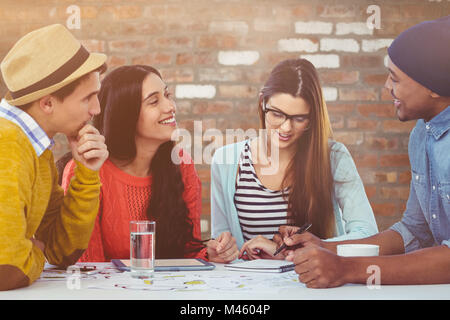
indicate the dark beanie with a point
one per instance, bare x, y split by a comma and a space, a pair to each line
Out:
423, 53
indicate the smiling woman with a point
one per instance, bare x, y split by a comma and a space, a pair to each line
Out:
139, 180
315, 180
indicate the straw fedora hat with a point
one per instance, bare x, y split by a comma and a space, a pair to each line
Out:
44, 61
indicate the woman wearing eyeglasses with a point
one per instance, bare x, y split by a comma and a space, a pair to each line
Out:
292, 174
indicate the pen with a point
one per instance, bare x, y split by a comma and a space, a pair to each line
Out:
302, 229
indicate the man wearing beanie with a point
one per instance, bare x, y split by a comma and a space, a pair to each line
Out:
416, 249
52, 83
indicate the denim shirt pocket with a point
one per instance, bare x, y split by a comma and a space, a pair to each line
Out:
419, 182
418, 179
444, 192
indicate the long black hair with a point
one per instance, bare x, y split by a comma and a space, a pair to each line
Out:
120, 101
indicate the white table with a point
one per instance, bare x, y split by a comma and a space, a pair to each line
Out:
59, 290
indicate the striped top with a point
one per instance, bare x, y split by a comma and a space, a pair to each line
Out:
261, 211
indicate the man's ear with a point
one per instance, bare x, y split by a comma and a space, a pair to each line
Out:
47, 104
434, 95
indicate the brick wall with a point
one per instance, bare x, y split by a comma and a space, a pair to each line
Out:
216, 54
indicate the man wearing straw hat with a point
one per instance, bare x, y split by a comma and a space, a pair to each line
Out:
52, 83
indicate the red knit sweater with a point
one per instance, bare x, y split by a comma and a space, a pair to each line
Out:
124, 198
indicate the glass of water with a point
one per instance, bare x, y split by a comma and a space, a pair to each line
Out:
142, 248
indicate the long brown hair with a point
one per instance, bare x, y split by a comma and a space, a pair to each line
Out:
310, 197
120, 102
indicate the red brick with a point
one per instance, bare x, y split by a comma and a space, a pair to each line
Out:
366, 160
216, 107
206, 193
179, 75
256, 76
147, 27
124, 12
339, 77
364, 94
216, 41
364, 124
393, 193
245, 108
379, 110
370, 191
304, 11
273, 58
378, 79
349, 137
115, 61
395, 28
415, 12
187, 25
340, 108
374, 142
386, 177
88, 12
336, 11
362, 61
169, 42
196, 58
94, 45
337, 121
384, 209
165, 10
183, 107
185, 58
394, 160
156, 58
204, 174
206, 208
238, 91
398, 126
127, 45
404, 177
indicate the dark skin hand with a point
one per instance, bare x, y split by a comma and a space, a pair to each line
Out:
318, 266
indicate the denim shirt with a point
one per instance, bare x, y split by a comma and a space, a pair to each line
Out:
426, 221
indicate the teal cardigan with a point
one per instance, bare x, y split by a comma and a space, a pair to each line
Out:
353, 214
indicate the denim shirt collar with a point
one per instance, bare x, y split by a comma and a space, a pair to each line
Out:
440, 124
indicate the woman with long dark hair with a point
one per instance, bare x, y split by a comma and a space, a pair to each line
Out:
140, 180
294, 174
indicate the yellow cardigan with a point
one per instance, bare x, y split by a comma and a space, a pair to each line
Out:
32, 204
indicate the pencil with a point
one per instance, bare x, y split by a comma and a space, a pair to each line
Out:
302, 229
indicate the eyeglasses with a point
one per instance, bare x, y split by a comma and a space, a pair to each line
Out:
277, 117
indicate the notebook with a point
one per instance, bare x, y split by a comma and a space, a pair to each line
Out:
169, 264
262, 265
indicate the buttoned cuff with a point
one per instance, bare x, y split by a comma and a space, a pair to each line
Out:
410, 242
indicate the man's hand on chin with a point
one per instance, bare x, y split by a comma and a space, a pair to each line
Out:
89, 147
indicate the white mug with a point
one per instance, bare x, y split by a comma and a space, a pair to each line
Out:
357, 250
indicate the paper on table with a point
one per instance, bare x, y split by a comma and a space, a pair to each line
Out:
210, 282
262, 265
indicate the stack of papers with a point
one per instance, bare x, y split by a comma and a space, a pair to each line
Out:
262, 265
